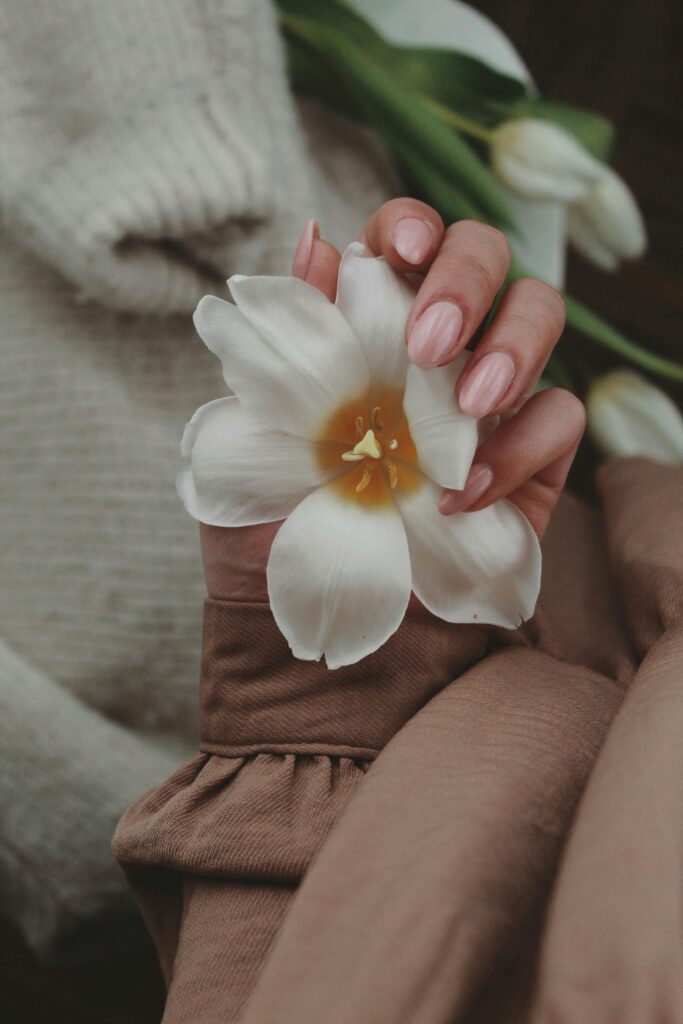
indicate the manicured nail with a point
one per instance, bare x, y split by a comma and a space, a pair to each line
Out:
478, 481
486, 384
302, 255
413, 239
434, 335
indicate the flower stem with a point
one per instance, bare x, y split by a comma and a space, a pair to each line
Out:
456, 120
595, 327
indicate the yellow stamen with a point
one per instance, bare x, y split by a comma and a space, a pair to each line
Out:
360, 429
392, 471
369, 447
364, 480
376, 419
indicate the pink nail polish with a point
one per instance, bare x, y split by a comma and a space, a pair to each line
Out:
479, 480
413, 239
302, 255
486, 385
435, 333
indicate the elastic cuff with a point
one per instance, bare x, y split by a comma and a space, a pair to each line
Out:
256, 696
105, 212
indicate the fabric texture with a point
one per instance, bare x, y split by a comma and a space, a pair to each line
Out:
150, 150
425, 902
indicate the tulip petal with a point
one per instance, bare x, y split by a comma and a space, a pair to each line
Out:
238, 472
630, 416
287, 352
445, 438
607, 226
339, 577
376, 302
540, 160
584, 238
472, 567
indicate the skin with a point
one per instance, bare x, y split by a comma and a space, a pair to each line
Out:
531, 451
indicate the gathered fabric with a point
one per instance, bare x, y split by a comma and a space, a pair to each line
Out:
216, 852
380, 843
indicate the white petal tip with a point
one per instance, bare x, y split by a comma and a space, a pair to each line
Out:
355, 249
235, 279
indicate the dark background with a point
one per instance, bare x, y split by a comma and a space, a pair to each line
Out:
622, 60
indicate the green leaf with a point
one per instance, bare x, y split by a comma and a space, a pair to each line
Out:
593, 130
337, 17
311, 75
457, 81
390, 107
431, 186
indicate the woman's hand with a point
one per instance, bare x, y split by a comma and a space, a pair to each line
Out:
528, 456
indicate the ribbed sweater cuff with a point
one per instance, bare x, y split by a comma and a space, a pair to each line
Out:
107, 212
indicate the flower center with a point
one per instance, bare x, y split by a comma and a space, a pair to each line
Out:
369, 447
383, 456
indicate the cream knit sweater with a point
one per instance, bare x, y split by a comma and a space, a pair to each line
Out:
150, 148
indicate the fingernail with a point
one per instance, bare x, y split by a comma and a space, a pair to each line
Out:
302, 255
412, 239
434, 335
478, 481
487, 384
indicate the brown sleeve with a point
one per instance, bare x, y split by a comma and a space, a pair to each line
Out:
256, 696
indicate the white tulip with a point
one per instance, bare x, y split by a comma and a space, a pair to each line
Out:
607, 226
627, 415
540, 160
331, 429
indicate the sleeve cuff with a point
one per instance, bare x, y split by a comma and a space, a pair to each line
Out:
256, 696
105, 212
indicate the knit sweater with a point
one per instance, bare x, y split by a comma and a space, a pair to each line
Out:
151, 148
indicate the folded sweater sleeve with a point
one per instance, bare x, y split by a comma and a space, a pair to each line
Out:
67, 775
128, 129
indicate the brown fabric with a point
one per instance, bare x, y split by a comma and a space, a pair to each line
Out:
259, 818
222, 917
446, 849
613, 948
432, 865
254, 698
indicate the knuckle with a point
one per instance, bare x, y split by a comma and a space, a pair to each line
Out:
482, 268
543, 297
407, 206
474, 235
524, 323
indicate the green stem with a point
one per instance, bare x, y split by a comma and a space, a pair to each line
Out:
590, 323
593, 326
463, 124
451, 203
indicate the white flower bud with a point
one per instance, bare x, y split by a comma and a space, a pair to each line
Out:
606, 226
540, 160
627, 415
